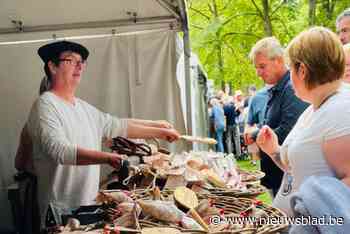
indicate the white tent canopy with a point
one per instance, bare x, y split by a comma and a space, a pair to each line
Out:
131, 70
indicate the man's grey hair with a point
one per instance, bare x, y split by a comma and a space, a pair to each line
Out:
345, 13
268, 46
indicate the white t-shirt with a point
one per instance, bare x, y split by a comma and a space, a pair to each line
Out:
57, 128
303, 145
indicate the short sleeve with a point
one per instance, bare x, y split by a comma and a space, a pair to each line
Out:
337, 122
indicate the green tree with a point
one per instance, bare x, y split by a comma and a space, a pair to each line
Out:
223, 31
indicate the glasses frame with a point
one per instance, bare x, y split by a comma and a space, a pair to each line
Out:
73, 62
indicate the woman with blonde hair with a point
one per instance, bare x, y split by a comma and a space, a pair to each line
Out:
319, 142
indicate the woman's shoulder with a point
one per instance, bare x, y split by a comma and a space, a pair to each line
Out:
336, 110
340, 102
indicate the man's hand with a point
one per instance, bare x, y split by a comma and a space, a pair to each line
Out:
248, 135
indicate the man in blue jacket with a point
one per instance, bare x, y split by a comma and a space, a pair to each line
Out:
283, 108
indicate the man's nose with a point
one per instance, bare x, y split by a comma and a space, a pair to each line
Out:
79, 66
342, 37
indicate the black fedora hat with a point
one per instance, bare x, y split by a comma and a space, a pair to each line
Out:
53, 50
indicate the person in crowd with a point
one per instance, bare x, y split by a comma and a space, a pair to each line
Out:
256, 110
251, 93
283, 108
218, 116
328, 205
239, 105
66, 134
231, 133
221, 96
342, 24
319, 142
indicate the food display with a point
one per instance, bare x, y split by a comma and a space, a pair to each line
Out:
175, 193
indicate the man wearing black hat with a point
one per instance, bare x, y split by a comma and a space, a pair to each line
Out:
67, 133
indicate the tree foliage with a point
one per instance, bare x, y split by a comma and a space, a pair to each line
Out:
223, 31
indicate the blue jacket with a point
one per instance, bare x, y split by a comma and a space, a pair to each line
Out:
256, 110
283, 109
231, 113
218, 117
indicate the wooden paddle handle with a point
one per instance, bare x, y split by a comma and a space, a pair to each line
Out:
199, 219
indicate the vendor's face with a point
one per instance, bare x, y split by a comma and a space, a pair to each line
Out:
70, 68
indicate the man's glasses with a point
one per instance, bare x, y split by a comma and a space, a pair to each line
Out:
74, 62
343, 30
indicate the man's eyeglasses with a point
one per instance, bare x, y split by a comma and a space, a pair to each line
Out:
74, 62
343, 30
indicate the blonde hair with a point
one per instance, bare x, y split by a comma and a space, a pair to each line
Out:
320, 50
269, 46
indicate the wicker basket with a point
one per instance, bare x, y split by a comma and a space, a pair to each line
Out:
252, 191
250, 176
232, 206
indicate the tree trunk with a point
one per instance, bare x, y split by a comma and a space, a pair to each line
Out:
267, 20
329, 5
312, 12
219, 47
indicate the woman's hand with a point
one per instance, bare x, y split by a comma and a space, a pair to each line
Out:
169, 134
267, 140
115, 160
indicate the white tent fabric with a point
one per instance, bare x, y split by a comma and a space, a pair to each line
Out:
198, 98
39, 14
123, 77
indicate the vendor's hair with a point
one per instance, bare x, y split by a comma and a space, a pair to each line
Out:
345, 13
268, 46
321, 51
46, 82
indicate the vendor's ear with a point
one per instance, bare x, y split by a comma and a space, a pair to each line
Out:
52, 67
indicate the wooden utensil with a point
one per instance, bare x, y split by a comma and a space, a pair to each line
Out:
160, 231
188, 199
204, 140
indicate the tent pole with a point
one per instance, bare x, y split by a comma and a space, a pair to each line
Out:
187, 54
89, 25
169, 8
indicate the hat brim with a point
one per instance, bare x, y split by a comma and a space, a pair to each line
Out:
52, 51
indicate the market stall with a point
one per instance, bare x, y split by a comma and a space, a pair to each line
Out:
134, 48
